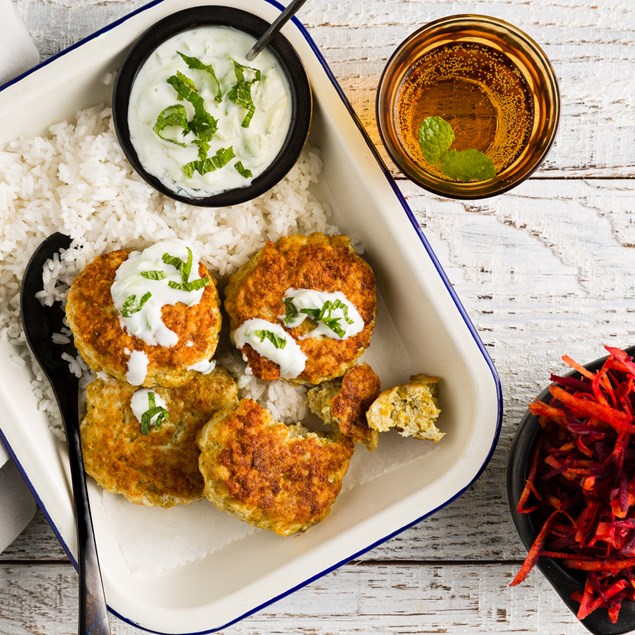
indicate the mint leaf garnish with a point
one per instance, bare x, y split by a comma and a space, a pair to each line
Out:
154, 416
190, 285
131, 306
153, 275
436, 137
467, 165
184, 267
195, 63
242, 170
276, 340
203, 124
171, 117
222, 157
290, 310
240, 93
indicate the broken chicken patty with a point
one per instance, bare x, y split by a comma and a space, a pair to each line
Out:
344, 402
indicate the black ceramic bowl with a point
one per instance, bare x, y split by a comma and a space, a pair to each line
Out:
564, 581
301, 106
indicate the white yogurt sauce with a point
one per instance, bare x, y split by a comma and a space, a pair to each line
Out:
255, 146
347, 316
290, 358
140, 404
137, 368
147, 322
204, 367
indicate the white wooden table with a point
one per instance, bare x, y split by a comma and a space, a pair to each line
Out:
545, 270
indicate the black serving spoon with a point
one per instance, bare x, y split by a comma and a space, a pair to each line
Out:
270, 33
40, 323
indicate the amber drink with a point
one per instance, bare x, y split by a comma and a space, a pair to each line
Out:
493, 86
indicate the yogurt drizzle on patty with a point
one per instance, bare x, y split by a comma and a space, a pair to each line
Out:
333, 314
337, 316
280, 347
139, 300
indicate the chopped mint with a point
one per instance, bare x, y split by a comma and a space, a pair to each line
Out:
323, 315
148, 419
240, 93
195, 63
131, 306
242, 170
185, 267
290, 310
153, 275
436, 137
222, 157
276, 340
190, 285
202, 124
172, 117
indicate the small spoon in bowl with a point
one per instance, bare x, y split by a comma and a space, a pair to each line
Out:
40, 323
278, 23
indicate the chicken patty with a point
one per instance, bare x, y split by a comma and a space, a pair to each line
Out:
412, 408
315, 262
344, 402
106, 345
276, 477
160, 467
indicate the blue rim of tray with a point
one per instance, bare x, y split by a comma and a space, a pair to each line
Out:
433, 258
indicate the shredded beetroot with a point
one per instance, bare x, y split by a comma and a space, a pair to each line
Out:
581, 482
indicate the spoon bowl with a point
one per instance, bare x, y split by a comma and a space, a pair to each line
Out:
40, 323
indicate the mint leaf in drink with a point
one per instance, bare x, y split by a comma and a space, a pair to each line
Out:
467, 165
436, 137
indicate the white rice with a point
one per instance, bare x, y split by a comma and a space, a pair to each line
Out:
77, 180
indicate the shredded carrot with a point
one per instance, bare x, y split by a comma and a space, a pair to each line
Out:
581, 482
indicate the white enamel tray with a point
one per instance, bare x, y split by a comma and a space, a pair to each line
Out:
433, 335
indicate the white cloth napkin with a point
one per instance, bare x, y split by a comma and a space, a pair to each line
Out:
17, 54
17, 51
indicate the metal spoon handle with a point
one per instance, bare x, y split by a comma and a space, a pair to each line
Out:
280, 21
93, 615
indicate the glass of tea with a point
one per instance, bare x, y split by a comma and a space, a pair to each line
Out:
468, 106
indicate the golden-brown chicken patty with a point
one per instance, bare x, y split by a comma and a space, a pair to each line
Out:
412, 408
276, 477
106, 345
344, 402
160, 467
317, 262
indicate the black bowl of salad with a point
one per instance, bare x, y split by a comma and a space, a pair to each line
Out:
568, 475
199, 122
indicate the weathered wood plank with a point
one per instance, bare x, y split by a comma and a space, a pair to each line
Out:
592, 48
356, 599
